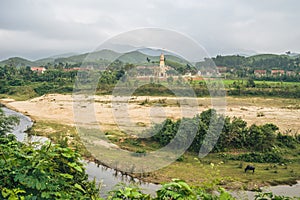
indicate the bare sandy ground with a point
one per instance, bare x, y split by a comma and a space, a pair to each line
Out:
138, 113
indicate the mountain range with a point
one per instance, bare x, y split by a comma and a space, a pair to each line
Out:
138, 56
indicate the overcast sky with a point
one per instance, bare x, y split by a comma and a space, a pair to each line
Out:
41, 28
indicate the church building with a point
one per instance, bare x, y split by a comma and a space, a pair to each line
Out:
162, 69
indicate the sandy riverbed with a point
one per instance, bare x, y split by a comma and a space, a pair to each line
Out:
130, 115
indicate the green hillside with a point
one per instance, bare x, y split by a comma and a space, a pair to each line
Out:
267, 56
136, 57
44, 61
94, 57
106, 56
16, 61
98, 57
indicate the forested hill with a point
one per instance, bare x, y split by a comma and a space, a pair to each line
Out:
16, 61
260, 61
105, 56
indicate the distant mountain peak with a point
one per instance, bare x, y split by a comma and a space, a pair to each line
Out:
16, 61
64, 55
154, 52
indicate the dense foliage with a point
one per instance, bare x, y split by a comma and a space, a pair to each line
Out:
243, 64
36, 171
175, 190
243, 67
235, 135
45, 172
180, 190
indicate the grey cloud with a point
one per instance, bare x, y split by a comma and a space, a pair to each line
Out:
76, 25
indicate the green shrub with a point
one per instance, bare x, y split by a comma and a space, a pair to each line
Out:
47, 172
269, 157
286, 141
122, 191
271, 196
139, 153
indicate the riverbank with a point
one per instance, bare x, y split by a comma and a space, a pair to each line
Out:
228, 174
60, 108
53, 115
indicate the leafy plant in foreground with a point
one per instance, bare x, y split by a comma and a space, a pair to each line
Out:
47, 172
127, 192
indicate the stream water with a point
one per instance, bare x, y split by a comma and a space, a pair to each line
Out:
106, 176
109, 178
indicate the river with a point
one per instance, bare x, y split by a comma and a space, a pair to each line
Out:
106, 176
109, 178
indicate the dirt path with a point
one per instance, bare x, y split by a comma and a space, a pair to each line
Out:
140, 112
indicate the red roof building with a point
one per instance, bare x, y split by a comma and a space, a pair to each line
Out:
38, 69
277, 72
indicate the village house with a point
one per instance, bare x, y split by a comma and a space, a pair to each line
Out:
290, 73
38, 69
260, 73
144, 71
221, 69
277, 72
76, 69
209, 72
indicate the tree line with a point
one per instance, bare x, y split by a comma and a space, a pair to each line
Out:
22, 81
243, 67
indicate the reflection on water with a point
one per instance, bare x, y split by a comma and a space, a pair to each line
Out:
280, 190
109, 178
24, 124
285, 190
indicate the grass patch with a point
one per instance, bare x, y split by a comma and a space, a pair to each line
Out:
60, 133
212, 170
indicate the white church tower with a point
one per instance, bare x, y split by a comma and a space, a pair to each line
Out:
162, 67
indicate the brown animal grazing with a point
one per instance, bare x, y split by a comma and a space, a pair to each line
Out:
249, 167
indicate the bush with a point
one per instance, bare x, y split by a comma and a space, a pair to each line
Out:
122, 191
44, 88
234, 134
269, 157
175, 190
139, 153
270, 195
286, 140
47, 172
